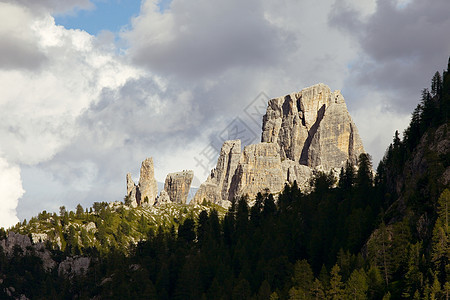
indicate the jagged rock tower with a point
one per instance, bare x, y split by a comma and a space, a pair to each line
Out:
177, 186
301, 133
312, 127
147, 189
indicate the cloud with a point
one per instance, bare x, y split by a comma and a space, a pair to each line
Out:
54, 6
200, 38
10, 190
45, 112
42, 101
18, 48
401, 45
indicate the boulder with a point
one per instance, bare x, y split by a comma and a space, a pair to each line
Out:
163, 198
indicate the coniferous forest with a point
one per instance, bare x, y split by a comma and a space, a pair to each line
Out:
364, 235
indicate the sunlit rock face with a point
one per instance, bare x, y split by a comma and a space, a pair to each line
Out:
147, 189
177, 186
312, 127
259, 170
302, 133
216, 188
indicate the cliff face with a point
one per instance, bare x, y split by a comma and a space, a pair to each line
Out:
259, 169
216, 188
312, 127
147, 186
301, 133
177, 186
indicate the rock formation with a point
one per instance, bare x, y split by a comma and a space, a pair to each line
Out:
293, 171
147, 189
216, 188
24, 243
163, 198
303, 133
177, 186
131, 191
71, 266
259, 169
312, 127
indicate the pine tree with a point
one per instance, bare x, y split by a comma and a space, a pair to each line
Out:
336, 291
317, 290
436, 84
441, 238
356, 286
379, 251
302, 280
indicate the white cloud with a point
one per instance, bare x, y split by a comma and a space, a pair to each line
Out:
40, 105
55, 6
78, 112
202, 38
10, 191
377, 124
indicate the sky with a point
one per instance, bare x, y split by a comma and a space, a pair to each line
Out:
89, 89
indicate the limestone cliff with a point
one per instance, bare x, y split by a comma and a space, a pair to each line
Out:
259, 169
312, 127
177, 186
131, 191
302, 133
216, 188
147, 187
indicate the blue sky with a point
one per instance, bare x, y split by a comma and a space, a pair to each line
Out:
109, 15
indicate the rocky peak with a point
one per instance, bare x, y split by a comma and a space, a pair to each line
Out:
177, 186
131, 191
302, 133
147, 187
312, 127
216, 188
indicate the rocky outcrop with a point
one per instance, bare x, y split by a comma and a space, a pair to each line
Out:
293, 171
131, 191
303, 133
177, 186
38, 237
71, 266
312, 127
163, 198
216, 188
147, 189
259, 169
16, 241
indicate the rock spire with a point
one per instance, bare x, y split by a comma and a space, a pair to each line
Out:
302, 133
147, 189
177, 186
